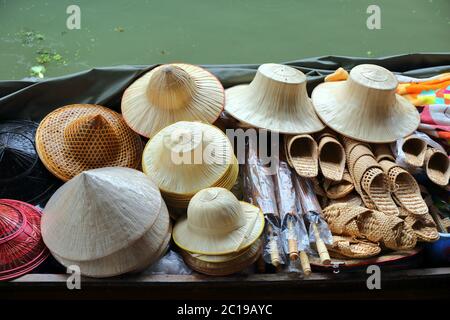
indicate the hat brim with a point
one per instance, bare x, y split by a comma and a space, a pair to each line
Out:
232, 242
242, 106
352, 121
53, 151
147, 119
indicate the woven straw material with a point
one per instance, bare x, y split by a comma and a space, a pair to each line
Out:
244, 260
352, 199
352, 248
414, 149
218, 224
275, 100
382, 151
405, 189
358, 152
331, 158
100, 212
366, 106
424, 226
172, 93
81, 137
349, 144
21, 245
302, 154
373, 225
339, 189
437, 166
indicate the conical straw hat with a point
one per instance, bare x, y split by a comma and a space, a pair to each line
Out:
100, 212
217, 223
81, 137
172, 93
186, 157
365, 107
138, 255
276, 100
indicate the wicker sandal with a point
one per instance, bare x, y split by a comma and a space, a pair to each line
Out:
414, 149
382, 151
339, 189
347, 247
404, 188
375, 226
437, 166
424, 227
331, 157
302, 155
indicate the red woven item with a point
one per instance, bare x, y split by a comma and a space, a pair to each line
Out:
21, 245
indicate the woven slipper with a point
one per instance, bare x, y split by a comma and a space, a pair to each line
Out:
424, 227
339, 189
302, 154
358, 152
414, 149
352, 199
404, 188
349, 144
353, 248
382, 151
375, 226
437, 166
331, 157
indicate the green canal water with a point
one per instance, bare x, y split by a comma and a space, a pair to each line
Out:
119, 32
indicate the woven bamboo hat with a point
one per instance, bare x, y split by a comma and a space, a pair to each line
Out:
276, 100
218, 223
104, 218
81, 137
187, 157
171, 93
22, 175
365, 107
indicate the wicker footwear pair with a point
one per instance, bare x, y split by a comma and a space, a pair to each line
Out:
348, 247
375, 226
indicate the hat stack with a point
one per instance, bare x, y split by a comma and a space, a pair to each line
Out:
220, 234
365, 107
171, 93
21, 245
187, 157
22, 175
81, 137
107, 221
275, 100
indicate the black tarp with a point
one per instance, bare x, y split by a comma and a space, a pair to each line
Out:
32, 100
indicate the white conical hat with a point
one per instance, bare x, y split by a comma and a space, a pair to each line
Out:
218, 223
186, 157
171, 93
276, 100
100, 212
365, 106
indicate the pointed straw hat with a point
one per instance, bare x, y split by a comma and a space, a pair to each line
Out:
186, 157
81, 137
102, 211
171, 93
22, 174
276, 100
218, 223
365, 107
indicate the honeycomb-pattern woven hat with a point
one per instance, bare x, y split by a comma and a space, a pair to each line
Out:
81, 137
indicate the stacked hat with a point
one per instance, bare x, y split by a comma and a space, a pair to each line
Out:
275, 100
21, 245
107, 221
187, 157
171, 93
220, 234
81, 137
22, 175
365, 107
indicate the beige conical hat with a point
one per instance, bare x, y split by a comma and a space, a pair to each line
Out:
100, 212
171, 93
186, 157
276, 100
365, 107
218, 223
